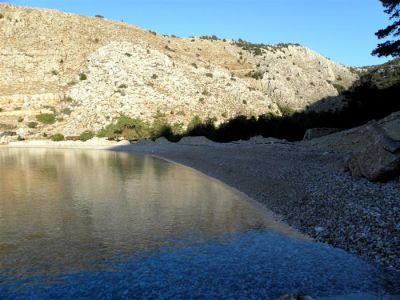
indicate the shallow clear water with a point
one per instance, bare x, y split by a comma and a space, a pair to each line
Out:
97, 224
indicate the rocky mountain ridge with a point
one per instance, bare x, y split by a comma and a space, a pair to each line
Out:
87, 71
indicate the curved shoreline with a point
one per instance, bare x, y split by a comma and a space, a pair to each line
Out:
283, 226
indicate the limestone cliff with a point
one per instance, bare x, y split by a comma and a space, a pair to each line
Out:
88, 71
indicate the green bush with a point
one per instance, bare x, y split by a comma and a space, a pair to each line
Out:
257, 75
67, 99
46, 118
195, 122
82, 76
127, 128
58, 137
32, 124
340, 88
286, 111
67, 111
86, 135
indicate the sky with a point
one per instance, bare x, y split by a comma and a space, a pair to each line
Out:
342, 30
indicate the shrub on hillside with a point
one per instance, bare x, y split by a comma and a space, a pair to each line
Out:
46, 118
86, 135
257, 75
32, 125
66, 111
340, 88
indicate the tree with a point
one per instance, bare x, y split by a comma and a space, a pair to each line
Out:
391, 47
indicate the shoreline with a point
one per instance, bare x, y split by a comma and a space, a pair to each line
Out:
302, 184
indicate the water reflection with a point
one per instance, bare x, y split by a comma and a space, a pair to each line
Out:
69, 209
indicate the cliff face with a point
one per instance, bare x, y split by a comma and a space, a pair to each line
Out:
88, 71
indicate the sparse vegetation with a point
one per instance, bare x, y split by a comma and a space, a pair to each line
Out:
340, 88
54, 72
205, 93
194, 123
82, 76
286, 110
169, 49
99, 16
20, 119
58, 137
46, 118
257, 49
208, 37
209, 75
32, 125
66, 111
257, 75
123, 86
67, 99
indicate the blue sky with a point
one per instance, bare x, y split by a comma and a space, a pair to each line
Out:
342, 30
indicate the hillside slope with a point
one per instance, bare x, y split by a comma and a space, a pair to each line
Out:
88, 71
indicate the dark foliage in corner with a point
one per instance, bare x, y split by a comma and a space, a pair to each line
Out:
390, 47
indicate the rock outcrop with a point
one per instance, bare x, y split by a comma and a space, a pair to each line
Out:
379, 158
88, 71
373, 149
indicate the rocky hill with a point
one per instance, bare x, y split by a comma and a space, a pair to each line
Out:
87, 71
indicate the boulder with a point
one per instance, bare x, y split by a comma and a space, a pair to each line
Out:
378, 159
314, 133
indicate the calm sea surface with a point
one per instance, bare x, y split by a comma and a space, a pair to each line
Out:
98, 224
